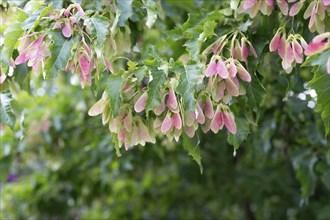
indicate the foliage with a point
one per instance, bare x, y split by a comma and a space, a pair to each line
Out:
165, 77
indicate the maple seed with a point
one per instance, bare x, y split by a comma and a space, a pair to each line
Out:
167, 124
245, 50
177, 122
318, 44
217, 122
161, 108
274, 44
200, 115
232, 69
172, 102
79, 9
84, 64
67, 30
229, 122
141, 102
211, 69
222, 70
208, 108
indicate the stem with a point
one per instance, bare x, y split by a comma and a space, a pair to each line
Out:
292, 23
83, 32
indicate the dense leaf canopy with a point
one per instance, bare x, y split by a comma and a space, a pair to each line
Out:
165, 78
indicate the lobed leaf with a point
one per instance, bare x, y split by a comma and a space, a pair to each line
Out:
154, 89
99, 27
57, 4
243, 130
33, 21
60, 54
6, 114
320, 83
190, 76
12, 35
151, 12
126, 11
255, 93
192, 146
114, 86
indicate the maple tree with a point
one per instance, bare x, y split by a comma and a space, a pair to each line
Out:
160, 76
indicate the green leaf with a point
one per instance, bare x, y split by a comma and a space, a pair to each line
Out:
57, 4
22, 76
154, 98
309, 60
192, 146
326, 177
303, 164
115, 141
33, 21
151, 12
131, 65
193, 47
60, 54
234, 4
12, 34
114, 86
5, 164
126, 11
255, 93
152, 63
99, 27
194, 44
197, 29
318, 60
243, 130
140, 72
320, 83
6, 114
190, 76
